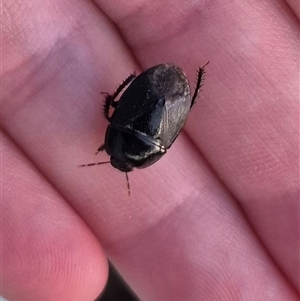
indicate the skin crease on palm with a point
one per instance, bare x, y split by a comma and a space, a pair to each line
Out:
217, 218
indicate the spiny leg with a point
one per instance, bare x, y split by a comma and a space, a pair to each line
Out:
110, 98
201, 73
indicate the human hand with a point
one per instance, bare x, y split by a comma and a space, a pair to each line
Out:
217, 218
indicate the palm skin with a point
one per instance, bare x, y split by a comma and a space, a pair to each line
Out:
217, 218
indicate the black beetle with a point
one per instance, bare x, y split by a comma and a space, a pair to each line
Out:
148, 116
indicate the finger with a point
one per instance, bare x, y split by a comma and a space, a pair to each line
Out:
47, 253
246, 119
294, 5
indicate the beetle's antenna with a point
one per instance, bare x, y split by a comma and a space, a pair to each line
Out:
93, 164
128, 186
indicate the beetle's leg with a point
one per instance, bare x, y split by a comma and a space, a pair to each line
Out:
101, 148
126, 82
201, 73
110, 98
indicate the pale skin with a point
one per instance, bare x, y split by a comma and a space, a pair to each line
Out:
216, 217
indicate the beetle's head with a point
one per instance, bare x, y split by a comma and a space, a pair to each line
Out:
121, 164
